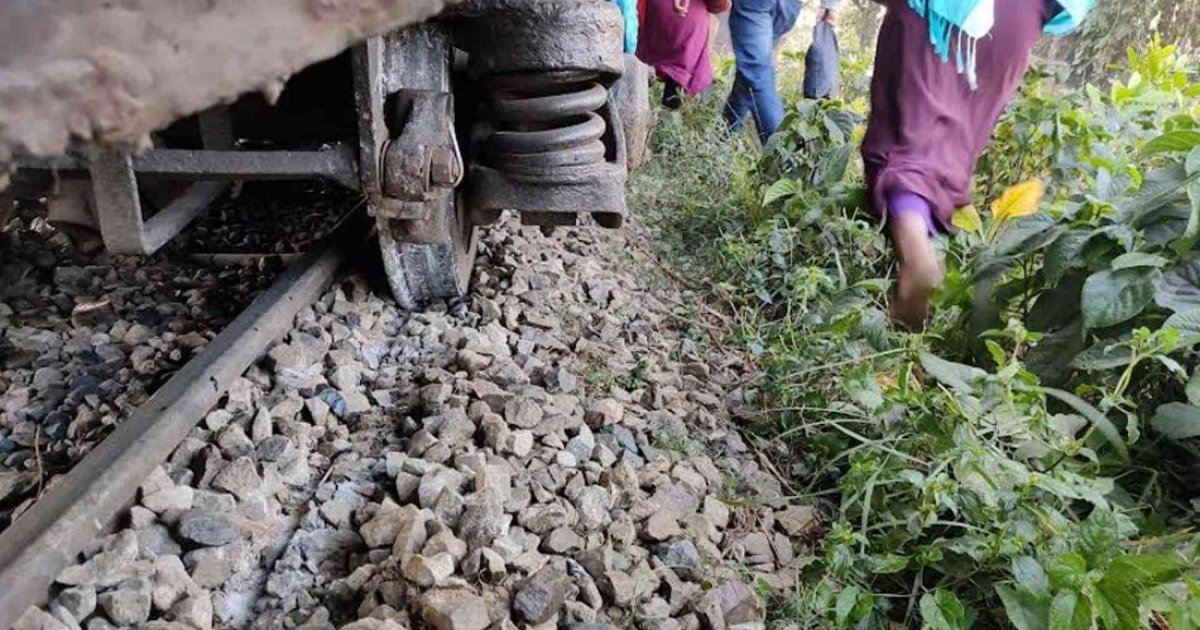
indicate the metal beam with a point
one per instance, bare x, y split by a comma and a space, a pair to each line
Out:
170, 221
336, 163
119, 207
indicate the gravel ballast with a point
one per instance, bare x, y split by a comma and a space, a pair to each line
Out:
557, 450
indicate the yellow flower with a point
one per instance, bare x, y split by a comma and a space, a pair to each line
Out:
1019, 201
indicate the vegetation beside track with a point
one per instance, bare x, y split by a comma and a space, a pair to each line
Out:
1031, 459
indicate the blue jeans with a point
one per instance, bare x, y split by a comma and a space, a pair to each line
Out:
756, 26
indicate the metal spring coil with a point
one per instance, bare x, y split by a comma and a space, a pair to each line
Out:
547, 123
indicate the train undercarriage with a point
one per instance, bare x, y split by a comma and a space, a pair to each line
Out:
495, 105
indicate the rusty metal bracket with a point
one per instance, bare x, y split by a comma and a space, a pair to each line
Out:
409, 180
421, 166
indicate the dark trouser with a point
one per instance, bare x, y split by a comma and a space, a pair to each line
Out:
672, 97
756, 26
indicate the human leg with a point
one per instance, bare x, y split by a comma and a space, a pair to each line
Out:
737, 106
911, 226
752, 27
742, 20
672, 97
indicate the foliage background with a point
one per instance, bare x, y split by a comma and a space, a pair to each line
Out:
967, 481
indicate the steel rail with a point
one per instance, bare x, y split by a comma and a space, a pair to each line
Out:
77, 508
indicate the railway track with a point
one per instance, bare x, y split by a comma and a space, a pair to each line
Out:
80, 506
550, 448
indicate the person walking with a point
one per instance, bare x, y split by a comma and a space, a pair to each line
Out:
756, 26
674, 41
931, 117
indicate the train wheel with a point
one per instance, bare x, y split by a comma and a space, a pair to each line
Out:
420, 273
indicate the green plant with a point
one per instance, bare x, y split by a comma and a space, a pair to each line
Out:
956, 461
1093, 584
1104, 265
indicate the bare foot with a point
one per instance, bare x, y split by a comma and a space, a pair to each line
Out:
920, 272
910, 304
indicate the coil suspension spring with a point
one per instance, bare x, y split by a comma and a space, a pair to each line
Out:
547, 123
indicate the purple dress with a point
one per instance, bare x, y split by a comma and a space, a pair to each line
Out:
927, 126
676, 46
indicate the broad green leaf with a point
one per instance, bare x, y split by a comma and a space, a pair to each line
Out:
1058, 307
1068, 424
836, 135
831, 168
1030, 576
956, 376
1180, 141
942, 610
1177, 421
845, 119
1191, 233
1069, 611
781, 189
1068, 571
1100, 537
1134, 260
1112, 297
1063, 254
1179, 288
1188, 325
1142, 571
1051, 357
846, 602
1025, 610
1074, 489
888, 564
1025, 235
863, 389
1117, 606
1193, 388
1161, 188
1105, 190
1168, 225
988, 301
1105, 355
999, 356
1094, 416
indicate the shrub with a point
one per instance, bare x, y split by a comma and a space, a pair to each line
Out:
994, 468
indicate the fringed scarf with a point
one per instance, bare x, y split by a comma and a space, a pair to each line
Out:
959, 24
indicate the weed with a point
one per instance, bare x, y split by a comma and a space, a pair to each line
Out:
985, 472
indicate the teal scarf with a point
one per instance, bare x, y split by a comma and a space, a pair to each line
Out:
629, 12
971, 20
